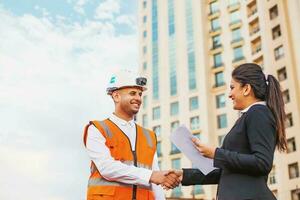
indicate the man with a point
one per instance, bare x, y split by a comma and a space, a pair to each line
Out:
123, 154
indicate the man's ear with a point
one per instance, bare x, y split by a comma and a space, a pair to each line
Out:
116, 96
247, 89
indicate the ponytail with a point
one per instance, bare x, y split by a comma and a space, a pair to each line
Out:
275, 102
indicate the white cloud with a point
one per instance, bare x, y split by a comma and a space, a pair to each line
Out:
79, 6
107, 10
52, 82
129, 20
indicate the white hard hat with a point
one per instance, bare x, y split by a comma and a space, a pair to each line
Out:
125, 78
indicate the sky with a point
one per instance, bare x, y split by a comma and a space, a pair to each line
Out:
55, 61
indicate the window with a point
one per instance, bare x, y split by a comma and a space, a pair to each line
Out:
286, 96
176, 192
295, 194
159, 164
144, 50
176, 163
278, 52
145, 34
220, 101
174, 149
145, 120
289, 120
157, 130
156, 113
260, 61
174, 125
217, 60
252, 8
216, 41
236, 35
273, 12
219, 79
221, 139
291, 145
213, 7
293, 170
174, 109
272, 176
215, 24
194, 103
222, 121
238, 53
254, 27
234, 17
195, 123
145, 102
276, 32
158, 149
198, 189
144, 4
281, 74
256, 46
144, 65
144, 19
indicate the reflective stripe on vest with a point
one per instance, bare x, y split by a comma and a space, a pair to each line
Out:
104, 182
127, 162
148, 137
106, 129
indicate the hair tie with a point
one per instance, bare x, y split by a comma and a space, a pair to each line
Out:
267, 78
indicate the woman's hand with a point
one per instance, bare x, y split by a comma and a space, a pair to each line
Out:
204, 149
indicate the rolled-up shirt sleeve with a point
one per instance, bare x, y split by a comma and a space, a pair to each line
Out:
109, 168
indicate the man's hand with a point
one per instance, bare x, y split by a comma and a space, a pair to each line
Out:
175, 174
204, 149
168, 179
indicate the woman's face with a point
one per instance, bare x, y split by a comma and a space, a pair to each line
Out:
236, 94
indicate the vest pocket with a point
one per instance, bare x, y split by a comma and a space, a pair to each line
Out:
103, 193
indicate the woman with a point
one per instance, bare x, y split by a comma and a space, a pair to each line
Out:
246, 156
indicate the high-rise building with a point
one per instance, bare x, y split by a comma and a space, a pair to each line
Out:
188, 49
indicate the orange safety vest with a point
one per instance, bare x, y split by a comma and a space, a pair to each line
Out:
120, 149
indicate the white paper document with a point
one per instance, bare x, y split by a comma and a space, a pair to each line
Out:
181, 138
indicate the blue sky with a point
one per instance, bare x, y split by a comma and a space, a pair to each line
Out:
55, 61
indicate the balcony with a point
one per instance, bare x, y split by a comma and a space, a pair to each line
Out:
233, 7
238, 59
219, 84
214, 14
254, 30
256, 49
217, 65
215, 29
236, 40
216, 46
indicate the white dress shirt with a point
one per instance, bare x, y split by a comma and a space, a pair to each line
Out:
259, 102
115, 170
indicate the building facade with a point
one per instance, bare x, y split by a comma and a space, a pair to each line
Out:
188, 49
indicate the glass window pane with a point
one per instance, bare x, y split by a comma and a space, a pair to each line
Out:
156, 113
174, 108
222, 121
221, 100
194, 103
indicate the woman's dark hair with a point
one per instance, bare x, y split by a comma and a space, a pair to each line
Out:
265, 89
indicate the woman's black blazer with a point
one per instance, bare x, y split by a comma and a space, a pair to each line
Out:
244, 160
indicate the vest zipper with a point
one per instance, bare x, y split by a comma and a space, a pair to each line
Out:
134, 186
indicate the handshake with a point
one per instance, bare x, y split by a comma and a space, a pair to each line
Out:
168, 179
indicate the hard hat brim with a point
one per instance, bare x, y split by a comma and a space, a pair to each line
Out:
111, 90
